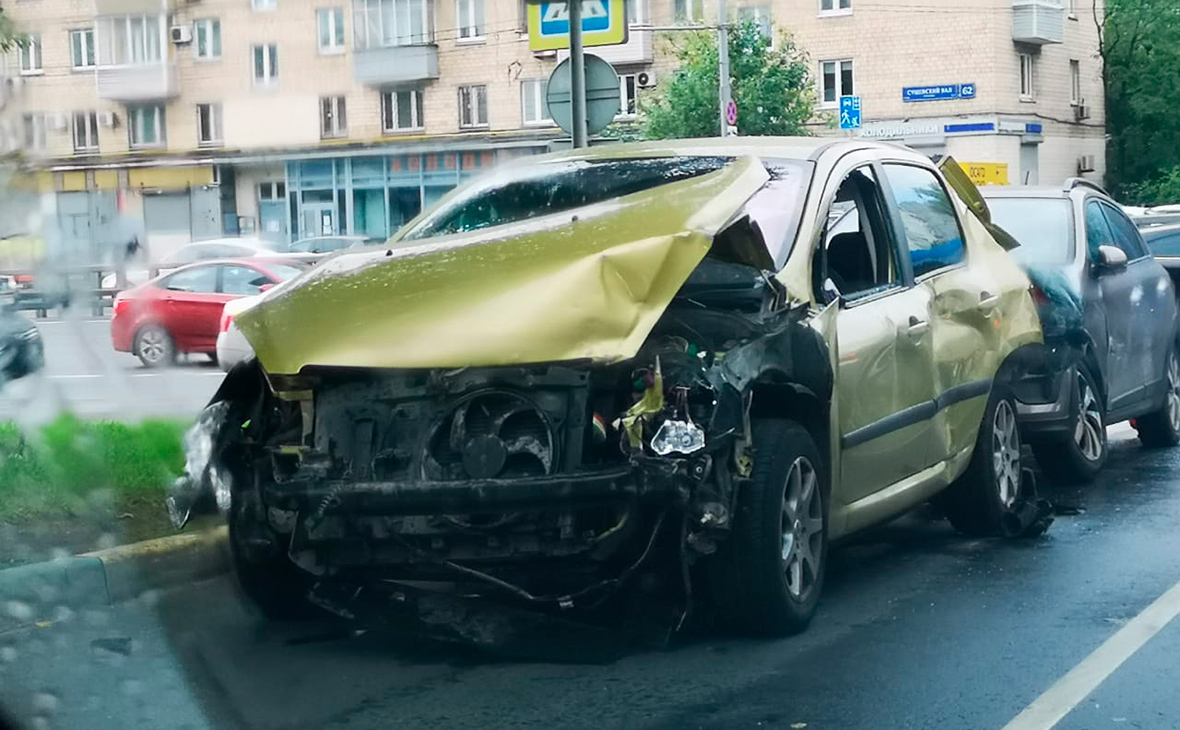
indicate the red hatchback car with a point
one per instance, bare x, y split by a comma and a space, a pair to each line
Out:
179, 311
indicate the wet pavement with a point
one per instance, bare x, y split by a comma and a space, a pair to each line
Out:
918, 628
84, 375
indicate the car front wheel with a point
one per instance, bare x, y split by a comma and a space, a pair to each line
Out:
768, 575
975, 504
1162, 426
1080, 456
154, 346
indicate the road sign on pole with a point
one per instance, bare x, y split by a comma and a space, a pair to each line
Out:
850, 112
602, 95
604, 23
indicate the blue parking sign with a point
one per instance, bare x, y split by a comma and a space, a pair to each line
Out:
555, 17
850, 112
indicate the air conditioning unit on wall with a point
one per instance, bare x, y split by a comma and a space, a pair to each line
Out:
645, 79
181, 34
1085, 164
1081, 111
108, 119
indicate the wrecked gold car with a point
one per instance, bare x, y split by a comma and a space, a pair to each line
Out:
635, 370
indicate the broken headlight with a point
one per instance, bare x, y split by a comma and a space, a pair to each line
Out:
683, 437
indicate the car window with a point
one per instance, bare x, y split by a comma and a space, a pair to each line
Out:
928, 220
1126, 236
1043, 226
1165, 244
860, 253
242, 280
200, 280
1097, 229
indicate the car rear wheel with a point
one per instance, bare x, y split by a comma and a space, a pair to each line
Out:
154, 346
767, 577
1080, 456
977, 501
1162, 427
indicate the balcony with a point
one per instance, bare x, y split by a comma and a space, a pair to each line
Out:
143, 82
395, 65
637, 49
1038, 22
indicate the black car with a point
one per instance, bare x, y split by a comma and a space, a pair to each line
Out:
21, 351
1109, 314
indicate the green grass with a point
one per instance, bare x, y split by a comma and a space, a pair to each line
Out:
70, 466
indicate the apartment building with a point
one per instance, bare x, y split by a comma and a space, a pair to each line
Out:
290, 118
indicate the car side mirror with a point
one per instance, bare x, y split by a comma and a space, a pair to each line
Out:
832, 292
1110, 259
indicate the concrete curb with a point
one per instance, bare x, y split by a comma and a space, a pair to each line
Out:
111, 576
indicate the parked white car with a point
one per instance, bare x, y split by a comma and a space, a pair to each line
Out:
232, 347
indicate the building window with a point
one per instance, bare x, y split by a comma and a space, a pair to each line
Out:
1028, 77
684, 11
209, 125
469, 17
30, 55
401, 111
473, 106
145, 125
835, 7
628, 95
208, 39
534, 110
34, 128
130, 40
835, 81
266, 65
85, 132
272, 191
1075, 83
760, 16
264, 4
637, 12
378, 23
331, 26
333, 119
82, 48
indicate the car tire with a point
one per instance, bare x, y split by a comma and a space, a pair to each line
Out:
1161, 427
154, 346
976, 502
268, 579
781, 510
1079, 457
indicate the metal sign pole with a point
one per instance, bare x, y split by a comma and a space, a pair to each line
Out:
577, 75
723, 64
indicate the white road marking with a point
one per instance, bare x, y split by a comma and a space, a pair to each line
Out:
44, 322
1057, 701
71, 377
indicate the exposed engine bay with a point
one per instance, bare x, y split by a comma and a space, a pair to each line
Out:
550, 485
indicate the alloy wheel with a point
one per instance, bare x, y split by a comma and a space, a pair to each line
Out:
1006, 453
802, 528
1089, 429
153, 345
1174, 392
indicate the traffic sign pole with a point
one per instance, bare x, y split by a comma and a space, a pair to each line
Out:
578, 75
723, 65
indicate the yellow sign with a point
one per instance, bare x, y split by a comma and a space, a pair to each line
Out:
986, 173
604, 23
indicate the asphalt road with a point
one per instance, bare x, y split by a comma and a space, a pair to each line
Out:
918, 628
84, 374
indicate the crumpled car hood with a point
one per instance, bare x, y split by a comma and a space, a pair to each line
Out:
587, 283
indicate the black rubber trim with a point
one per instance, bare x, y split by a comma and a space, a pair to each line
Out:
916, 413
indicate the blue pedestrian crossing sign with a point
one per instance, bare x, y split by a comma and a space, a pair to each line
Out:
604, 23
849, 112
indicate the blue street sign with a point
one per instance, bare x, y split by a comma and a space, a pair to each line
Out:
938, 92
555, 19
849, 112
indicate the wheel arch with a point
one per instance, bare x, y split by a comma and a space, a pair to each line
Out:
772, 398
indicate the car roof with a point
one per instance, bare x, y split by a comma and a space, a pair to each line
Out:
1023, 191
788, 148
1152, 231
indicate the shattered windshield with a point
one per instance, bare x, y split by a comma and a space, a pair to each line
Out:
1043, 226
539, 190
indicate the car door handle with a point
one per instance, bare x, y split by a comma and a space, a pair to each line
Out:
917, 327
988, 301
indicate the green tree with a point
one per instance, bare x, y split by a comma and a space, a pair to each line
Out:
771, 86
9, 36
1140, 48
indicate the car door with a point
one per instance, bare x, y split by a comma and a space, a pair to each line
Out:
963, 300
1152, 308
883, 339
1114, 289
188, 296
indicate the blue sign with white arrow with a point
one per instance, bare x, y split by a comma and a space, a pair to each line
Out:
850, 112
938, 92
